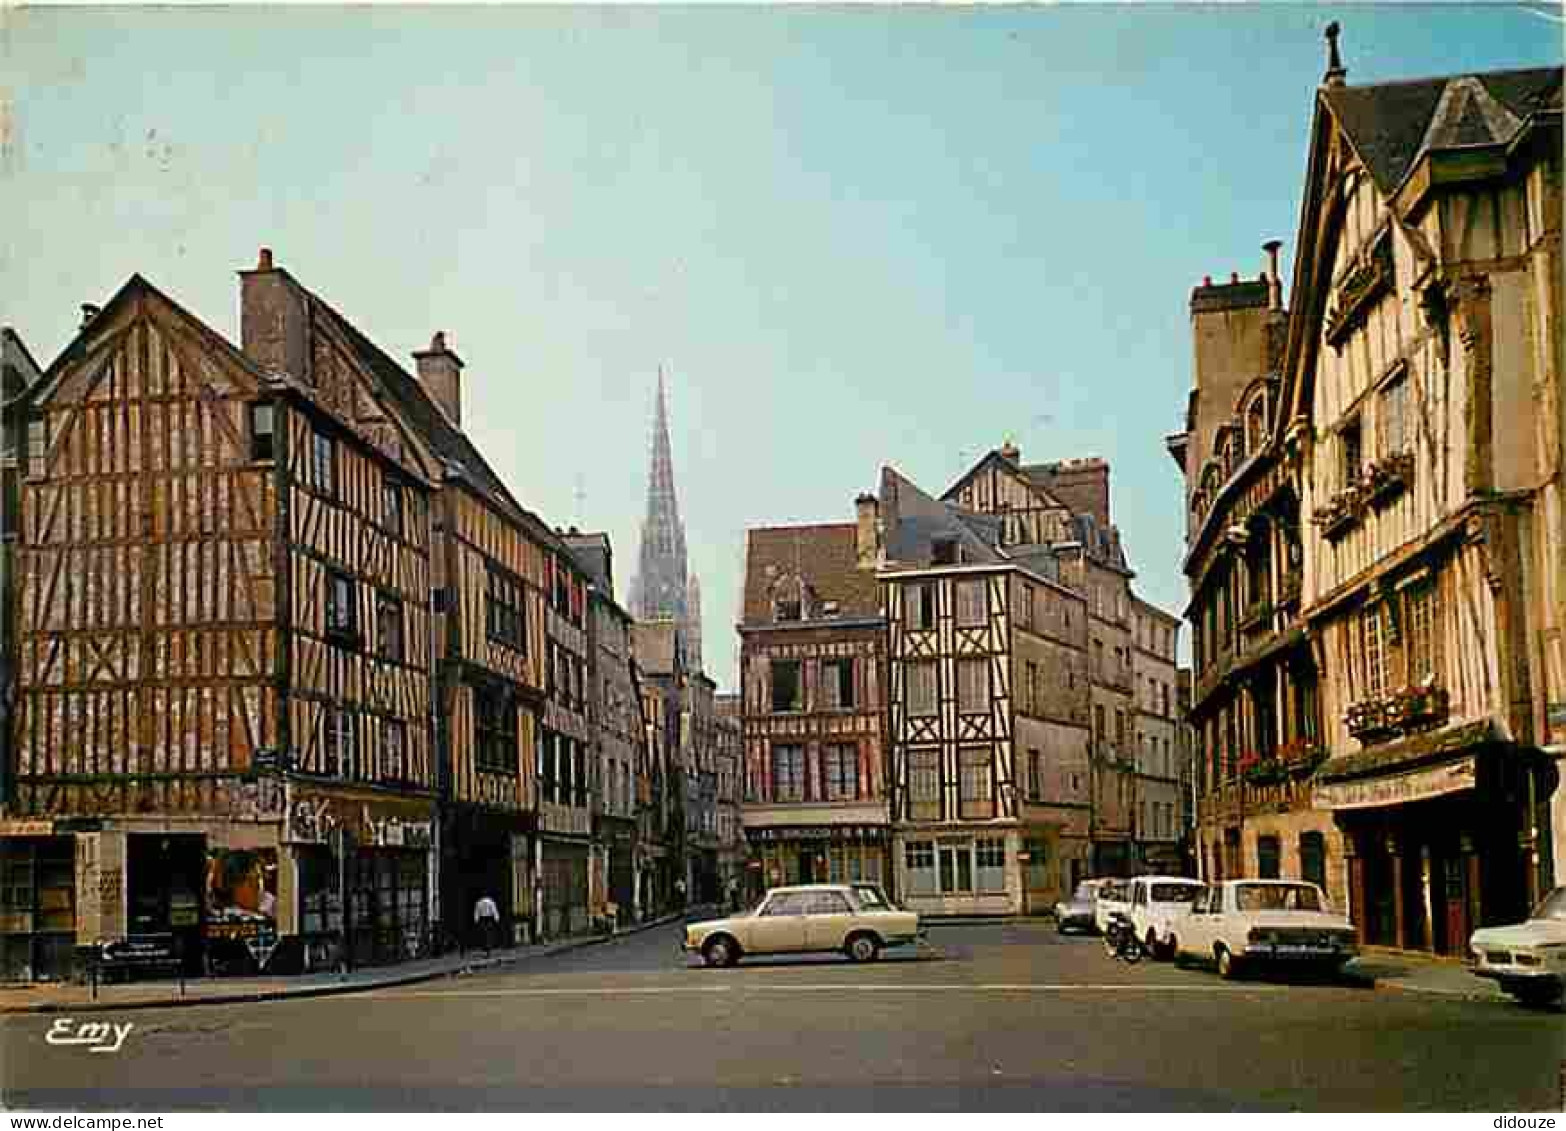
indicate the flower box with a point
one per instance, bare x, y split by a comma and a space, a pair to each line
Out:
1387, 478
1368, 720
1416, 706
1341, 513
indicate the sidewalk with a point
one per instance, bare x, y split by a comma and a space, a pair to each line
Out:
63, 998
1390, 970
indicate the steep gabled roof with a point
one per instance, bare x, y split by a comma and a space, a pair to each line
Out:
20, 369
915, 520
1011, 467
136, 285
419, 411
1392, 124
824, 556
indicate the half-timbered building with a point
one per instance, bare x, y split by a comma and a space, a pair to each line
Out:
812, 712
1255, 704
988, 696
662, 661
222, 648
1422, 387
615, 711
1056, 517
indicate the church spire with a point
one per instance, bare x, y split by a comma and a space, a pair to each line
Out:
661, 587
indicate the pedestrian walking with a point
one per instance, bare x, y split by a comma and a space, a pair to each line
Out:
486, 918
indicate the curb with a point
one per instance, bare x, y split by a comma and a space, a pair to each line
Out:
329, 990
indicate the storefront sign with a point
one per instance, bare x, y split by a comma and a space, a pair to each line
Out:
139, 950
26, 828
315, 819
1397, 789
818, 832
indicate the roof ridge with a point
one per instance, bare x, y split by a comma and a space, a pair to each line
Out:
1448, 77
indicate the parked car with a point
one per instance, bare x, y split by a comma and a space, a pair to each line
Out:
1113, 896
1238, 924
1076, 911
811, 917
872, 897
1156, 901
1528, 959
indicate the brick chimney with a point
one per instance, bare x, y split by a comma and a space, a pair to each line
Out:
867, 539
1010, 451
1082, 484
440, 372
274, 319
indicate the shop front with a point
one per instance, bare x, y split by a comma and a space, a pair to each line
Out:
486, 853
617, 840
37, 902
366, 872
950, 871
1439, 836
817, 854
563, 871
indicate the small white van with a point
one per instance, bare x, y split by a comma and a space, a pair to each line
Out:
1156, 901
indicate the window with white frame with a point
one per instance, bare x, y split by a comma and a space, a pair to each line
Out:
1373, 651
924, 784
972, 602
1392, 414
973, 686
837, 684
840, 772
1421, 638
919, 863
976, 781
989, 854
788, 773
921, 696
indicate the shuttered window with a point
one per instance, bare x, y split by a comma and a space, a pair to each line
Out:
924, 785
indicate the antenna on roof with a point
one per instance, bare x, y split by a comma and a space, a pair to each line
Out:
580, 495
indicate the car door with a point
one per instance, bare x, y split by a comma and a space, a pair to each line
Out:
828, 921
779, 927
1194, 930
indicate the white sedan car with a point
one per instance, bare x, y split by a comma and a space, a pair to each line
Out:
1242, 923
1527, 959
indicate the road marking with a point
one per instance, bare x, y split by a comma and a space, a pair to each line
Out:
818, 987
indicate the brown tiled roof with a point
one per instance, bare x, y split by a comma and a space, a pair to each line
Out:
825, 556
1391, 124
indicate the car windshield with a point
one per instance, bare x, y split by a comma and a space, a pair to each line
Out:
871, 899
1277, 897
1175, 893
1552, 906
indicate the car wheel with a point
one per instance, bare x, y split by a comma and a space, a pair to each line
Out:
1060, 926
1228, 968
1537, 997
720, 951
863, 948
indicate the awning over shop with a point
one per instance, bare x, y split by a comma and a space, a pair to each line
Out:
1424, 766
1380, 790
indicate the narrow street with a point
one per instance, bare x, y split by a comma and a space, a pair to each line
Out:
992, 1017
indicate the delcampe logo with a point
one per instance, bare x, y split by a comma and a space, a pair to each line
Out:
96, 1036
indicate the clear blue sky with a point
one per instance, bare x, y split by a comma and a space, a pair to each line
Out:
853, 236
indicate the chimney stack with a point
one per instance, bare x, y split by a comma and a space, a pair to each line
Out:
440, 372
1010, 451
867, 538
89, 312
1274, 279
274, 319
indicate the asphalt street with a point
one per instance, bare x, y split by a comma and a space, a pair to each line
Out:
990, 1017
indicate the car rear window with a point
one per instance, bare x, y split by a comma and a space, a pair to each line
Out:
1277, 897
1175, 893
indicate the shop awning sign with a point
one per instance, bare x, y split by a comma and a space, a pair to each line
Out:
1397, 789
817, 832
